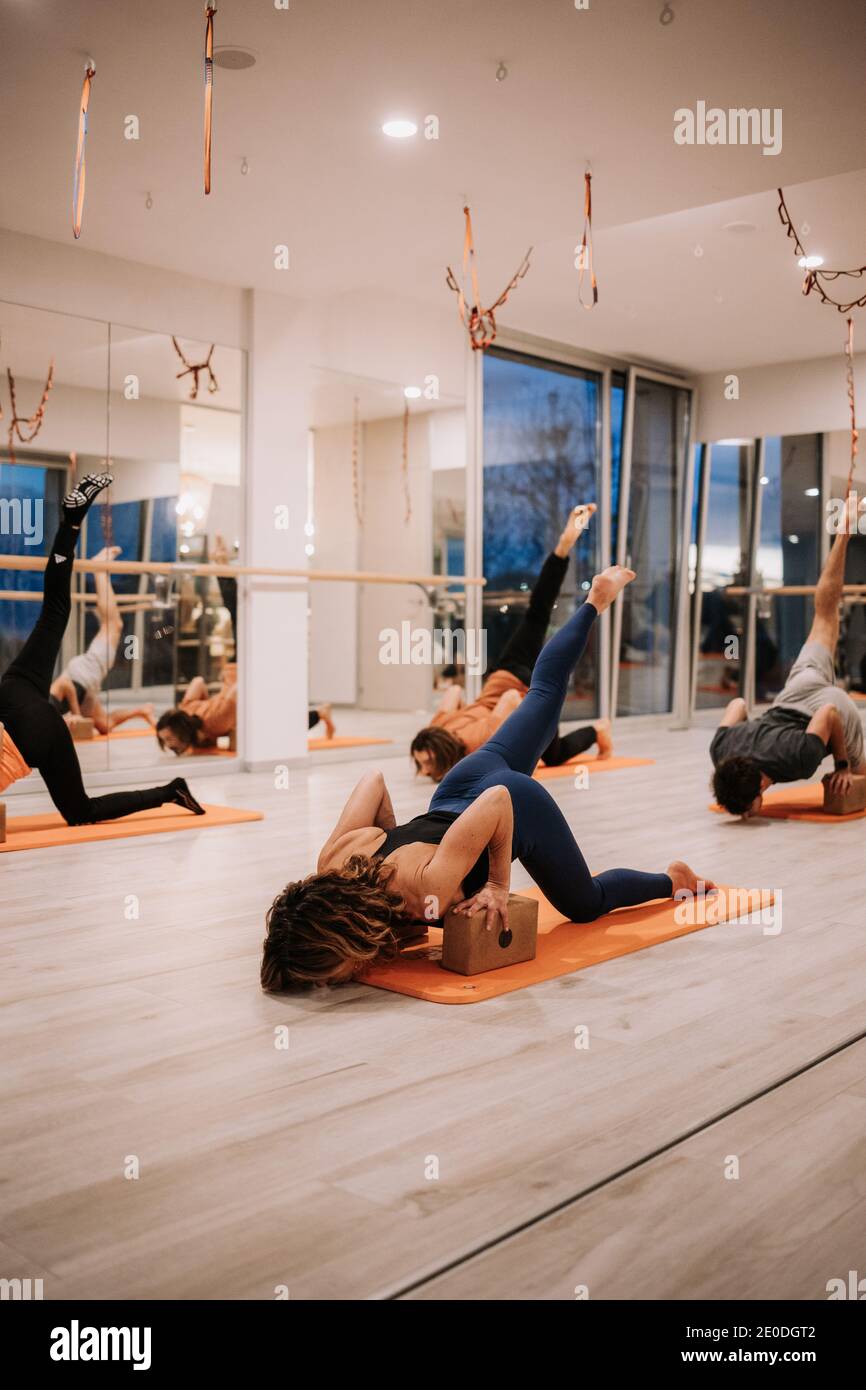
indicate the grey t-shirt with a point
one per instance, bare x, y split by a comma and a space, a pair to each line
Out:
777, 741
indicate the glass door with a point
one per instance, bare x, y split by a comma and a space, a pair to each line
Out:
653, 509
542, 456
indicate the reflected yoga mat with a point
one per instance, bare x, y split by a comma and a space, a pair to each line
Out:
563, 946
137, 732
338, 742
796, 803
592, 763
44, 832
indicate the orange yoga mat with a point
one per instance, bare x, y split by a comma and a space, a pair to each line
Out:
122, 733
593, 763
796, 803
338, 742
44, 832
563, 947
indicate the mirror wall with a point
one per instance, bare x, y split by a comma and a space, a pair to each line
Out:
387, 494
140, 644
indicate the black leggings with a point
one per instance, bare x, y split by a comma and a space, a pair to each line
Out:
524, 646
36, 728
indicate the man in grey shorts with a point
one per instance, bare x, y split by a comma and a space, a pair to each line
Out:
75, 692
811, 718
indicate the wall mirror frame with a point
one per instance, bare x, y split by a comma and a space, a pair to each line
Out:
165, 415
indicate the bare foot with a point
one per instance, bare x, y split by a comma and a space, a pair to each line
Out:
686, 880
608, 585
574, 528
603, 737
324, 713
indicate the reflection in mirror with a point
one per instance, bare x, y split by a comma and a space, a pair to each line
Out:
38, 464
387, 495
176, 448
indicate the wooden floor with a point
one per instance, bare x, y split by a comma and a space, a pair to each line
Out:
149, 1042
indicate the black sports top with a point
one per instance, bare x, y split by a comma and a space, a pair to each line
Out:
430, 829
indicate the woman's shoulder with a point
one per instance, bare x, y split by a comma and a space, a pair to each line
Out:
365, 840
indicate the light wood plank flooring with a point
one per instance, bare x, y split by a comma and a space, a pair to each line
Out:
311, 1167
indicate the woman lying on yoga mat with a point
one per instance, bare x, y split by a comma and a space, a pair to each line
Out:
375, 879
457, 728
36, 734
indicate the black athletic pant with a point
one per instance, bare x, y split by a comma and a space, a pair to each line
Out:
523, 649
228, 588
36, 727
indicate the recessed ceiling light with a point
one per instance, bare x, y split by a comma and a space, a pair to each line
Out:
234, 58
764, 480
740, 228
810, 262
399, 130
411, 392
813, 492
736, 443
795, 540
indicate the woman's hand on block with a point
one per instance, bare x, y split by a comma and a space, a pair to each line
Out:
493, 900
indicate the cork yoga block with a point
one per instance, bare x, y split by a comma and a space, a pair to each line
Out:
81, 729
469, 948
853, 800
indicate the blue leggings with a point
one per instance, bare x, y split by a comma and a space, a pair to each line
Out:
542, 839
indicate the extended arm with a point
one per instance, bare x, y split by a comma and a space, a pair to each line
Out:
487, 824
369, 804
64, 689
735, 713
828, 726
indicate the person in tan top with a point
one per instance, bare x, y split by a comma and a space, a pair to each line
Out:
458, 729
200, 719
75, 692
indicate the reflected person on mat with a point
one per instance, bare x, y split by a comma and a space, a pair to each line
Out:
33, 732
809, 720
457, 728
377, 883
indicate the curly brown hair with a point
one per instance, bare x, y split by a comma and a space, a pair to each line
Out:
445, 749
320, 924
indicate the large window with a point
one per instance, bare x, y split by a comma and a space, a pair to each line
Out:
788, 554
759, 528
30, 497
654, 477
541, 458
725, 499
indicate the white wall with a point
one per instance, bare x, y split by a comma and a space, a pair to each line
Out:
787, 398
273, 619
334, 607
72, 280
389, 543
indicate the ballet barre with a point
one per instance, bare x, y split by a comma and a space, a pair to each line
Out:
180, 571
798, 590
126, 602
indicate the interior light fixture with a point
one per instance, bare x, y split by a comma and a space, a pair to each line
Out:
813, 492
795, 540
810, 262
411, 392
400, 129
734, 443
764, 480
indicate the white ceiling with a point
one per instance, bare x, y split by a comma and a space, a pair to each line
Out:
361, 212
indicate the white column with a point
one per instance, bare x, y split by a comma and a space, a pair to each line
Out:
274, 611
